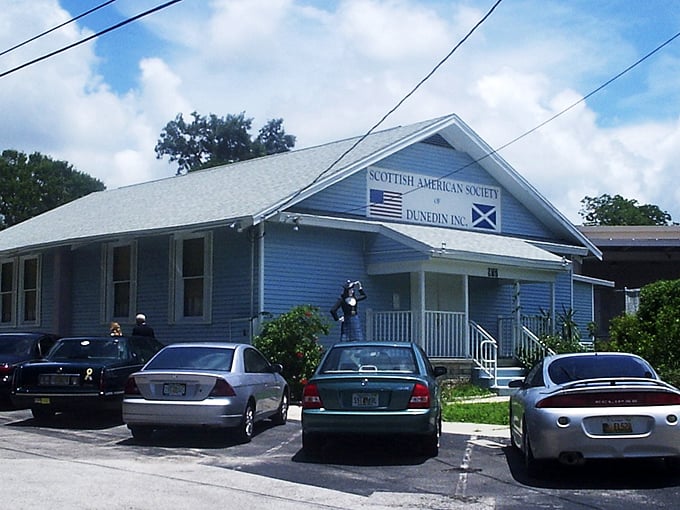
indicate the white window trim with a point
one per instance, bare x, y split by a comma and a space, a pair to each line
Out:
14, 293
20, 293
107, 300
176, 298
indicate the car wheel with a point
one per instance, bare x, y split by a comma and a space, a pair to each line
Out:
312, 443
42, 413
247, 426
430, 443
281, 416
672, 464
141, 433
530, 463
513, 441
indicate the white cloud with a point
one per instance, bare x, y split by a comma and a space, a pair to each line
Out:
333, 70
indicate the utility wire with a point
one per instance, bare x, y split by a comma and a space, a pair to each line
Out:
56, 28
78, 43
402, 101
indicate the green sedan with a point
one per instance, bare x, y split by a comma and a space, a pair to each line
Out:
373, 388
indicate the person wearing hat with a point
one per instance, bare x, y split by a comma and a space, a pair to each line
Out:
141, 327
350, 328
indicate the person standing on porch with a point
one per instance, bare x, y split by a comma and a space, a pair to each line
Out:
350, 328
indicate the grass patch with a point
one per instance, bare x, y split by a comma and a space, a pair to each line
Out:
493, 413
460, 390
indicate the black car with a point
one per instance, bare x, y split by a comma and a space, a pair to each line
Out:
17, 347
81, 374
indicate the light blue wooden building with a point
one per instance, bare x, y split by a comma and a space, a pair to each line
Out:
455, 249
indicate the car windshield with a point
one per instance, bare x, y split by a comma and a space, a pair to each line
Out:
15, 344
192, 358
88, 348
575, 368
369, 359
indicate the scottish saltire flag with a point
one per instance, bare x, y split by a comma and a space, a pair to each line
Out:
484, 216
387, 204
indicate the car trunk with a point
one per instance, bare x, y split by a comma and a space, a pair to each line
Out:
370, 392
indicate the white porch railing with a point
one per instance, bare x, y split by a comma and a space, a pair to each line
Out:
529, 347
484, 350
442, 335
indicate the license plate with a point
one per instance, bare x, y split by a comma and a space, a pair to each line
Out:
615, 426
41, 400
58, 380
174, 389
364, 400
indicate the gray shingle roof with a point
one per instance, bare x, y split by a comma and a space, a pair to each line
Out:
252, 190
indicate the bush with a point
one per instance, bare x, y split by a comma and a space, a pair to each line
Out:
292, 340
654, 332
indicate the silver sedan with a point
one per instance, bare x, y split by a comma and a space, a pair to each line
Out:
573, 407
210, 385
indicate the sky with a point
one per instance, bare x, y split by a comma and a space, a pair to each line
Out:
333, 69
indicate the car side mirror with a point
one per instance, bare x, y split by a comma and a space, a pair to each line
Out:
438, 371
517, 383
277, 368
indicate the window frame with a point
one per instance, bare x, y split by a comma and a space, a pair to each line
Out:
177, 279
22, 291
109, 285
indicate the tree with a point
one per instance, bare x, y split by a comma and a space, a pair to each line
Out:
654, 331
211, 141
616, 210
31, 185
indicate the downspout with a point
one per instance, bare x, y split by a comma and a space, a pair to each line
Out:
260, 272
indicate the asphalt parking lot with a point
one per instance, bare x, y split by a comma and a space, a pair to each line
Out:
86, 462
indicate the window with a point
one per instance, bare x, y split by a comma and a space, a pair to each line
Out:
120, 282
254, 362
20, 291
30, 289
7, 292
193, 277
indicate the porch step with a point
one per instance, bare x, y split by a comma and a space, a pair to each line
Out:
504, 375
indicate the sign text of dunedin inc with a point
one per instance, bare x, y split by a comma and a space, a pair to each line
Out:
431, 201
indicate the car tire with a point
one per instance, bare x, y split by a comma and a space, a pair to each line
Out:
530, 463
141, 433
281, 416
430, 443
246, 428
42, 413
513, 441
312, 443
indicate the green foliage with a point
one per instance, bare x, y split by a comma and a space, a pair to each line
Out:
31, 185
616, 210
567, 340
493, 413
292, 340
654, 332
211, 141
456, 390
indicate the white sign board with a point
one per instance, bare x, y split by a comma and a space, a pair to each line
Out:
425, 200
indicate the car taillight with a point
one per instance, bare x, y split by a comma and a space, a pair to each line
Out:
222, 389
131, 387
611, 399
311, 398
6, 369
420, 397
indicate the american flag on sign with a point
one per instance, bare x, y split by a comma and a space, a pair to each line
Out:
387, 204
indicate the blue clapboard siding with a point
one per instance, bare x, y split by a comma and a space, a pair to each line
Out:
348, 198
583, 304
85, 292
48, 296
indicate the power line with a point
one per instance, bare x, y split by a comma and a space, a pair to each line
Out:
390, 112
82, 41
27, 41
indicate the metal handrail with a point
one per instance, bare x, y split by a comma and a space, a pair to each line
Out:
484, 351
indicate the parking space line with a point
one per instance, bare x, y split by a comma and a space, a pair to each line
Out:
461, 486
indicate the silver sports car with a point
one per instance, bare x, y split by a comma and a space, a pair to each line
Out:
214, 385
573, 407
